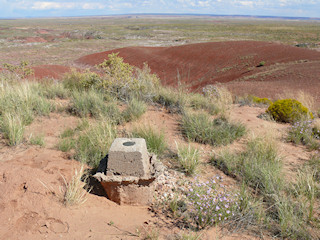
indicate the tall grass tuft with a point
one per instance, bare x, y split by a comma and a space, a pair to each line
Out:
188, 158
200, 128
12, 128
93, 144
74, 192
91, 103
155, 140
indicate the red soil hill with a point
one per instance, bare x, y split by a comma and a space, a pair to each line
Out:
50, 71
205, 63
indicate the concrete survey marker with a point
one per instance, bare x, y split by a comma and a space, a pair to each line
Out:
127, 174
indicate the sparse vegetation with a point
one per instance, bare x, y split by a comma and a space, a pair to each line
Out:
272, 200
37, 140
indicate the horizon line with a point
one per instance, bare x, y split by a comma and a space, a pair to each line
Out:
170, 14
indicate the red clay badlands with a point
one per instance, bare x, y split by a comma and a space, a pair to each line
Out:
206, 63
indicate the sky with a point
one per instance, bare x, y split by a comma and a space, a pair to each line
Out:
58, 8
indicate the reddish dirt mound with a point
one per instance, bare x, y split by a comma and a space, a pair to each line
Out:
50, 71
206, 63
280, 78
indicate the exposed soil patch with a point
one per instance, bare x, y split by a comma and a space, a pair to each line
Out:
50, 71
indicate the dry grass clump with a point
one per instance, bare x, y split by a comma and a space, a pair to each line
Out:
188, 158
12, 127
222, 98
73, 191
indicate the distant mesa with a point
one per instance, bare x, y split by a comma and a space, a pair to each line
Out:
205, 63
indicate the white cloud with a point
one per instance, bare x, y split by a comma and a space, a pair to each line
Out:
246, 3
66, 5
204, 3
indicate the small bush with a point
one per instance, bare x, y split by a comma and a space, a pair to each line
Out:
257, 100
200, 128
122, 81
134, 110
288, 111
155, 140
188, 158
207, 205
81, 80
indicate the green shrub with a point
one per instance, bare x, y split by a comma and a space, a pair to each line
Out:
155, 140
81, 80
288, 111
134, 110
257, 100
200, 128
122, 81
